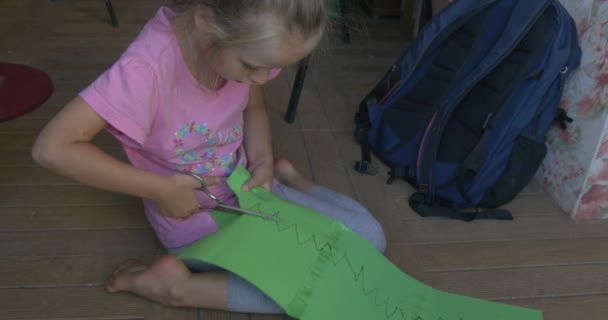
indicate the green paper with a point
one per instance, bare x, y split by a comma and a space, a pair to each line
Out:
315, 268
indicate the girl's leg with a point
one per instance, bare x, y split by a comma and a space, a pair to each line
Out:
242, 295
297, 189
245, 297
339, 199
288, 175
168, 281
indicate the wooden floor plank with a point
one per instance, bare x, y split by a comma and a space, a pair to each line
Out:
339, 107
70, 271
70, 195
536, 228
62, 243
32, 176
499, 254
326, 162
160, 312
222, 315
16, 141
16, 158
406, 259
23, 124
518, 283
269, 317
72, 218
69, 303
19, 42
23, 157
588, 307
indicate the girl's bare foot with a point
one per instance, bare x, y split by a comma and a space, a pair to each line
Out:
159, 282
168, 281
285, 172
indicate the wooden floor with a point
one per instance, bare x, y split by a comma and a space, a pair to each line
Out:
59, 240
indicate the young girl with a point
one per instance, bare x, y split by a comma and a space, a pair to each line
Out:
186, 98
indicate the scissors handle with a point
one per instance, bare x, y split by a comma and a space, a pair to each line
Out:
204, 187
222, 206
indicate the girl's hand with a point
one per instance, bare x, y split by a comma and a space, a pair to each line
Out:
262, 174
179, 198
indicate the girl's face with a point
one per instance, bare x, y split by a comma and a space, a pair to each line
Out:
252, 64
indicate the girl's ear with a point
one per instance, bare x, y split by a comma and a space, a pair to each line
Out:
203, 17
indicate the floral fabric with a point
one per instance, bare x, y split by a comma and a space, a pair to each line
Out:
575, 171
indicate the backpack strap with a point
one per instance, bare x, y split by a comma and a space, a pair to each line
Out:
364, 165
562, 118
418, 204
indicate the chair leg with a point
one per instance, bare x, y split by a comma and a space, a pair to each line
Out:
111, 13
303, 67
345, 30
296, 91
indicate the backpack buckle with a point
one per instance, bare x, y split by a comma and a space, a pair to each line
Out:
366, 167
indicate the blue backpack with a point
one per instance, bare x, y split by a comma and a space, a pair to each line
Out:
463, 113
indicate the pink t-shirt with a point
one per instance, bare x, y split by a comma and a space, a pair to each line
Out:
168, 123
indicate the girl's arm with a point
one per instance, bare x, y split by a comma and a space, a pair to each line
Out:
257, 141
65, 147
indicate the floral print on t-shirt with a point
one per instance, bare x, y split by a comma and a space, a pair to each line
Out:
196, 147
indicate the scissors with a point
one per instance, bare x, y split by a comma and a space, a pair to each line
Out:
220, 205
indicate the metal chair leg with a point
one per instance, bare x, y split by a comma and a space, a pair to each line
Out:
111, 13
303, 67
296, 91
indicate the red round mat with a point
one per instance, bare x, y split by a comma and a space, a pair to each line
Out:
22, 89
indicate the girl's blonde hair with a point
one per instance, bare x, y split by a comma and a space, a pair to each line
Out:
240, 22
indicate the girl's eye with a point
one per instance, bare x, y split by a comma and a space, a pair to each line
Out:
248, 66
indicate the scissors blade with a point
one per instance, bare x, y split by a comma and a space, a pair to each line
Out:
246, 211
